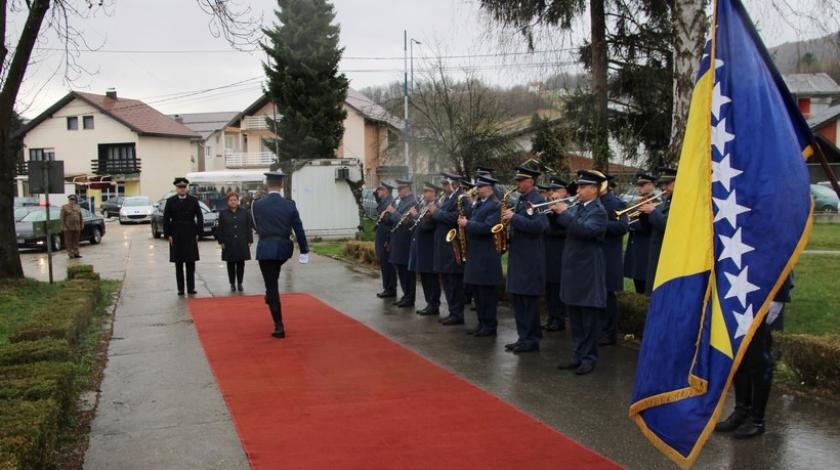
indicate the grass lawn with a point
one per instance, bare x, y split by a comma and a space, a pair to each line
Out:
19, 299
815, 306
824, 237
327, 248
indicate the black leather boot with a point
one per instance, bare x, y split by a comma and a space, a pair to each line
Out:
733, 422
750, 429
277, 316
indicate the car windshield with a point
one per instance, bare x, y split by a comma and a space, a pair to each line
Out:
21, 213
823, 191
204, 207
137, 201
41, 215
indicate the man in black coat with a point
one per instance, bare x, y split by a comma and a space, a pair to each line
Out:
554, 239
584, 284
421, 257
445, 217
638, 242
387, 271
183, 223
658, 217
613, 246
526, 262
401, 221
483, 271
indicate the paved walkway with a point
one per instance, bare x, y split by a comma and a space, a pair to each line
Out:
161, 408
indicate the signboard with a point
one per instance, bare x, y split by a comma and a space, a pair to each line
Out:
46, 177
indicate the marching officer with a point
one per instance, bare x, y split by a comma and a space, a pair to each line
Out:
383, 236
658, 218
275, 218
483, 272
638, 242
421, 257
445, 217
613, 246
401, 242
526, 262
183, 222
583, 286
554, 239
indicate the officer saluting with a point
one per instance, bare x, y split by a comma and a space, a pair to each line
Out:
183, 222
275, 218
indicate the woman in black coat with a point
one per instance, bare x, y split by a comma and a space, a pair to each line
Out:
235, 235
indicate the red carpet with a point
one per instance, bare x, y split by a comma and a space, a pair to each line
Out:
336, 394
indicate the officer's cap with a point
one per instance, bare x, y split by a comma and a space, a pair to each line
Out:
404, 183
427, 186
523, 173
555, 182
181, 181
467, 183
590, 177
543, 187
274, 176
666, 175
385, 185
644, 178
71, 197
448, 177
485, 180
571, 188
484, 170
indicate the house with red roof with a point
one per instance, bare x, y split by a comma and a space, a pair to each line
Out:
111, 145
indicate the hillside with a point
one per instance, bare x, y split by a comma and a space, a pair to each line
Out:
811, 56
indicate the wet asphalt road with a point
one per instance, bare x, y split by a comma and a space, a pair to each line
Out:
158, 392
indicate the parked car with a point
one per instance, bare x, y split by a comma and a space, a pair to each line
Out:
20, 212
825, 199
136, 209
31, 229
211, 219
111, 207
369, 203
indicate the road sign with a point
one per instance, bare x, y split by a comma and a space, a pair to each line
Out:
46, 177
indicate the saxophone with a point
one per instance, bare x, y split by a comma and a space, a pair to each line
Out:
457, 237
500, 231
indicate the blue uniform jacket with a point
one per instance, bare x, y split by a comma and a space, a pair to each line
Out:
383, 229
658, 221
275, 218
638, 249
401, 238
614, 242
446, 218
421, 258
526, 255
484, 264
554, 240
584, 271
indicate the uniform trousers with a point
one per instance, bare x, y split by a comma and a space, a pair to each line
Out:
586, 323
453, 290
270, 270
236, 271
755, 376
190, 275
486, 303
640, 285
71, 242
610, 327
431, 289
389, 276
408, 282
527, 313
556, 307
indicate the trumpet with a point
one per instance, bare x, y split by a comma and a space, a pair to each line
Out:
538, 208
633, 211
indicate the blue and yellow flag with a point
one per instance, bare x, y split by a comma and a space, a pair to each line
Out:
739, 217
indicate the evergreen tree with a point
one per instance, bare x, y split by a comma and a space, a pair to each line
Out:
304, 83
548, 142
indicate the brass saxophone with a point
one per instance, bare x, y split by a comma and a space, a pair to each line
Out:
500, 231
457, 237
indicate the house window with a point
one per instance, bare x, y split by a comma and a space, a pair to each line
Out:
72, 123
117, 158
41, 155
229, 142
87, 122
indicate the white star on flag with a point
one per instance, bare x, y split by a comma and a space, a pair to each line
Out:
720, 137
718, 100
723, 173
729, 209
734, 248
745, 321
739, 286
718, 64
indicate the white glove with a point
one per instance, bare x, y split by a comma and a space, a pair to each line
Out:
303, 258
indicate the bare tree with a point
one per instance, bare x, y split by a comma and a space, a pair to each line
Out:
228, 18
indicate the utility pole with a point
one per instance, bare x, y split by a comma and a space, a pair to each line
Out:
407, 131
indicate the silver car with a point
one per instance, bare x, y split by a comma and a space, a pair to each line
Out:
136, 209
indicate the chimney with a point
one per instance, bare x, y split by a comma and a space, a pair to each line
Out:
179, 119
111, 93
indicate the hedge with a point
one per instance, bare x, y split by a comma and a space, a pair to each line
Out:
28, 431
38, 381
65, 319
814, 359
633, 308
363, 252
73, 271
45, 349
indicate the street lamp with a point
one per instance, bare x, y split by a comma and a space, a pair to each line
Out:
407, 44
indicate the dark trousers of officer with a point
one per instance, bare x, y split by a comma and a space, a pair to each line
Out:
610, 327
179, 275
236, 272
270, 270
586, 323
453, 290
754, 376
431, 289
556, 307
408, 282
486, 303
527, 313
640, 285
389, 276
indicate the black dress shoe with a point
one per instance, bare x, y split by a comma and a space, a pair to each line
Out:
569, 366
232, 288
749, 430
192, 292
553, 326
279, 330
240, 288
450, 321
428, 312
472, 331
181, 293
484, 333
386, 295
405, 303
585, 368
279, 334
733, 422
510, 346
607, 342
399, 301
525, 347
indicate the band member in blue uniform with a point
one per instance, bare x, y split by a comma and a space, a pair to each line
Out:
583, 287
638, 242
421, 258
275, 218
613, 246
483, 271
526, 262
554, 239
401, 242
658, 217
387, 271
183, 223
451, 272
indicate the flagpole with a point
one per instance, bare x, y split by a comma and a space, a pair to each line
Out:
829, 173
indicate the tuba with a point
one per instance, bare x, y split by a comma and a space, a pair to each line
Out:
500, 232
457, 237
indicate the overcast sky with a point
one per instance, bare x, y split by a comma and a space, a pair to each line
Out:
371, 32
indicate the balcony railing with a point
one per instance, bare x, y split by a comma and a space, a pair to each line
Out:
249, 160
115, 167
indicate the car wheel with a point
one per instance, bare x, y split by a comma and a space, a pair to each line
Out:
122, 223
106, 214
155, 233
56, 243
96, 237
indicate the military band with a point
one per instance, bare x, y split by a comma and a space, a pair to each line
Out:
400, 221
450, 269
421, 258
613, 245
387, 271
